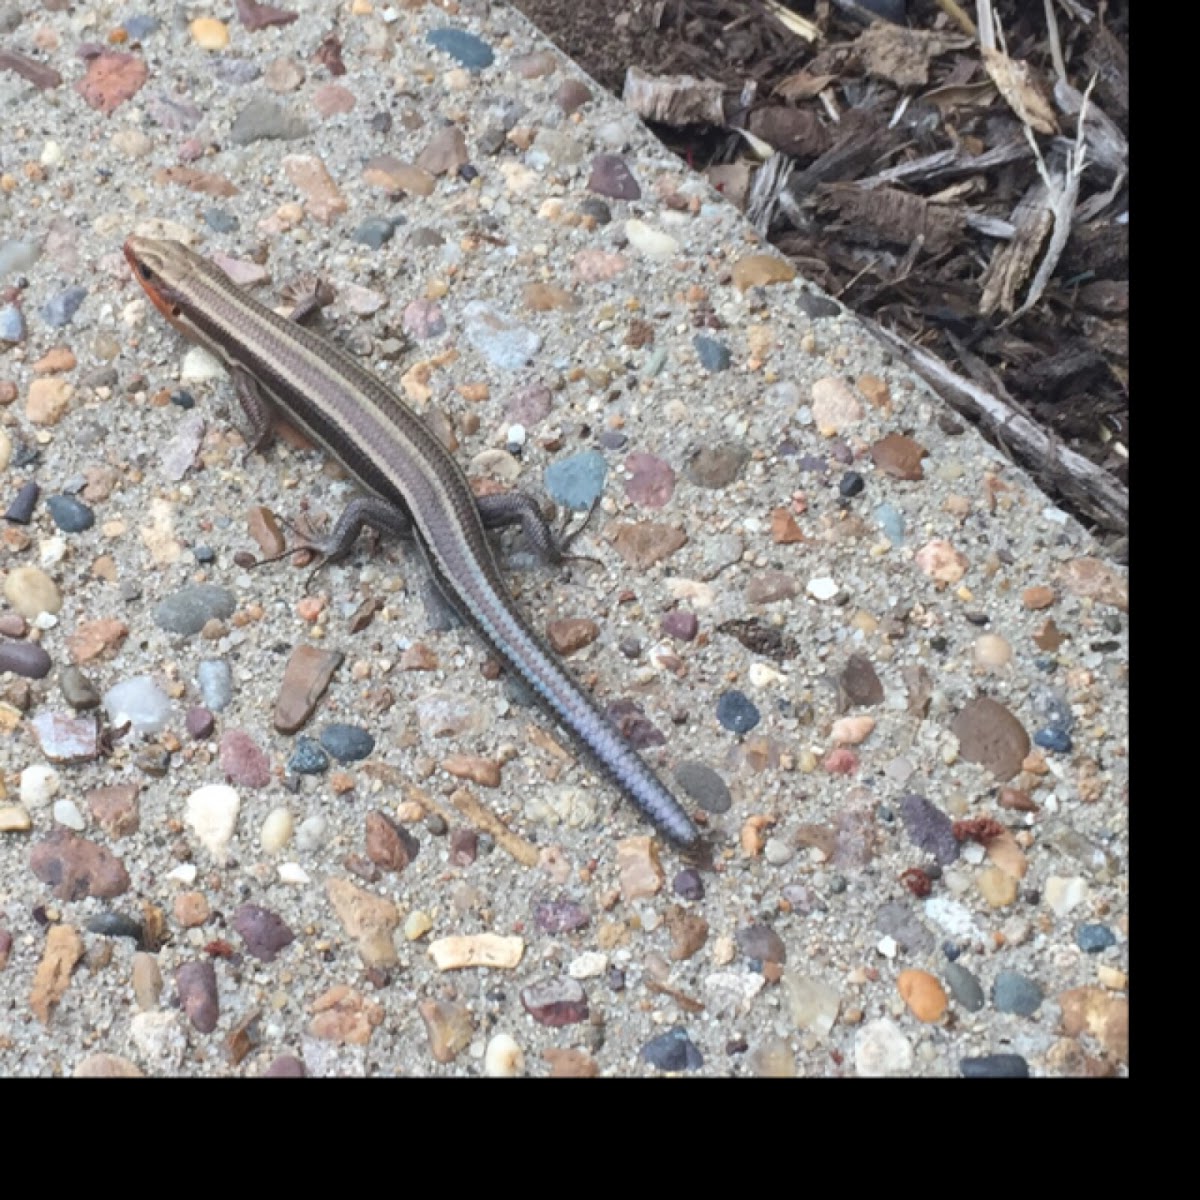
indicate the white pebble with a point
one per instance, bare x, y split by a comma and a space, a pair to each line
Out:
588, 965
822, 588
184, 873
503, 1058
291, 872
311, 834
212, 813
199, 365
39, 785
52, 154
417, 924
653, 243
880, 1048
276, 830
66, 812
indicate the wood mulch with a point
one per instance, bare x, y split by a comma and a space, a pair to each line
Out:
932, 176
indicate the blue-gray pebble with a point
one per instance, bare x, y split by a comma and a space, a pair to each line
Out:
737, 712
474, 53
216, 683
69, 514
1058, 741
577, 481
308, 758
1013, 993
672, 1051
994, 1066
12, 324
890, 519
220, 220
347, 743
702, 784
140, 27
374, 232
712, 354
187, 610
60, 308
20, 511
1091, 939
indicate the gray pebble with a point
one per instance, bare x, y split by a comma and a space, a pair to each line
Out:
702, 784
69, 514
238, 71
16, 257
264, 119
374, 232
472, 52
761, 942
199, 722
216, 683
900, 922
188, 610
111, 924
77, 689
60, 308
595, 208
347, 743
964, 987
712, 354
1013, 993
890, 519
577, 482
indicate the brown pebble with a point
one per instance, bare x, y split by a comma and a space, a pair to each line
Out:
1037, 597
47, 401
147, 981
418, 657
784, 530
688, 930
263, 527
64, 948
638, 869
286, 1066
990, 735
8, 391
191, 909
899, 456
305, 678
343, 1016
13, 625
571, 633
75, 867
55, 361
641, 544
449, 1028
480, 770
570, 1063
91, 639
445, 152
1015, 798
115, 808
387, 845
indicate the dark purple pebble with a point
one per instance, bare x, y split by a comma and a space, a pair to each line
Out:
761, 942
464, 847
264, 932
612, 177
199, 722
196, 983
560, 916
688, 885
680, 624
27, 659
286, 1066
555, 1002
929, 828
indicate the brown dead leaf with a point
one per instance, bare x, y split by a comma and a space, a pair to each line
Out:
1021, 89
802, 86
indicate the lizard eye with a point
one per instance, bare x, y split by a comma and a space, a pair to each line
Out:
145, 271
